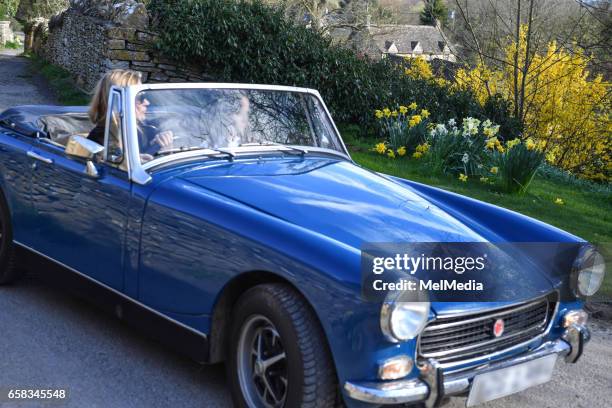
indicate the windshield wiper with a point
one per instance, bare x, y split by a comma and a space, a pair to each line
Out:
295, 149
166, 152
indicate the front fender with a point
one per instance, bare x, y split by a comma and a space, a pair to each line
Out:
194, 241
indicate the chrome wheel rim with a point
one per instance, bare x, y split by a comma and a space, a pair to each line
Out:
262, 364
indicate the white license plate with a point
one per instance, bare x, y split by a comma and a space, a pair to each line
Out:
510, 380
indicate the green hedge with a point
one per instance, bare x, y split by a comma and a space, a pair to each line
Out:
247, 41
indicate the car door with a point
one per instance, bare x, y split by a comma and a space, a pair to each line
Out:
81, 218
15, 175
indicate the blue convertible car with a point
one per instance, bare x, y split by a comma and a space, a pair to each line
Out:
241, 241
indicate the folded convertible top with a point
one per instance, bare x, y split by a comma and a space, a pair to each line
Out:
30, 119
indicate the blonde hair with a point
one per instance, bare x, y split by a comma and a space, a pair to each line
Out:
99, 102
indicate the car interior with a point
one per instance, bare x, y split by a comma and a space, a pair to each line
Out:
59, 128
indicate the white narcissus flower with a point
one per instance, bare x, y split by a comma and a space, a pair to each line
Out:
465, 158
470, 126
440, 129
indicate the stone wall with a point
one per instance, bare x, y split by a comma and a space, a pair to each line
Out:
88, 46
6, 33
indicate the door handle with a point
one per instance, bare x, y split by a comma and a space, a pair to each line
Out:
37, 156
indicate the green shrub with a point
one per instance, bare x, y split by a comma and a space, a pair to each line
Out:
517, 166
557, 175
12, 45
497, 109
247, 41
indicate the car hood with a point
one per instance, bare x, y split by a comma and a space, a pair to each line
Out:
347, 203
334, 198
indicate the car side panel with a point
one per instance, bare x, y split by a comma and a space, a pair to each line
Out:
80, 220
15, 177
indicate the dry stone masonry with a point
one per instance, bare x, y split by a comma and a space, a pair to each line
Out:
92, 37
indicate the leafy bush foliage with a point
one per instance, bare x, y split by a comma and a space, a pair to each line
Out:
13, 45
247, 41
8, 8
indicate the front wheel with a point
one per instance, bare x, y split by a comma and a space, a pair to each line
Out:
278, 356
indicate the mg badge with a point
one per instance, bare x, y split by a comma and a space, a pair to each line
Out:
498, 327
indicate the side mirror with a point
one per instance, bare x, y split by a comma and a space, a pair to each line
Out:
115, 155
79, 146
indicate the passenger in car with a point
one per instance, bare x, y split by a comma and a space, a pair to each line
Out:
150, 141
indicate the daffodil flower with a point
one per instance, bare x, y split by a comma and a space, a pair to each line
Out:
380, 148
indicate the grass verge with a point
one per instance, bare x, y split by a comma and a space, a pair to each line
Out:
11, 45
60, 81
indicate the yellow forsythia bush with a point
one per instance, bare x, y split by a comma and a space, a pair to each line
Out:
564, 108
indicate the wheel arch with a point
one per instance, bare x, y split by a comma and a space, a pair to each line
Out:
221, 316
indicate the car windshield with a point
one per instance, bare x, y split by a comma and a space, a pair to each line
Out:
175, 120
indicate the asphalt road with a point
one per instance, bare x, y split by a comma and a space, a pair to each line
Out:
49, 338
17, 85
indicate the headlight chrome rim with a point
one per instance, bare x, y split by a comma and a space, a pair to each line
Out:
589, 264
389, 320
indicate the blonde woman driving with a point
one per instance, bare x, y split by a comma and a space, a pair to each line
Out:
150, 142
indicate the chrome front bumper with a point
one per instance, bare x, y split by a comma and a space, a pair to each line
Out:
434, 385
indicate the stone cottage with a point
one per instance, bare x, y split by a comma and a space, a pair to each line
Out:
411, 41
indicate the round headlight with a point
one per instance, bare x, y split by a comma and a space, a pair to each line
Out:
588, 271
403, 320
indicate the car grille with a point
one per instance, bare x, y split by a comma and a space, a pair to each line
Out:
457, 338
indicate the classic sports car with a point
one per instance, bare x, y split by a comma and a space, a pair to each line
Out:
241, 242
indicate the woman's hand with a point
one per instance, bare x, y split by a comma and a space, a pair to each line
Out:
164, 139
144, 157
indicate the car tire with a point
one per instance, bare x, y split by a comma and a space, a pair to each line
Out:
273, 323
8, 264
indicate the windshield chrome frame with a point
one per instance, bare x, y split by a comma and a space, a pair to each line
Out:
138, 171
